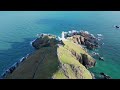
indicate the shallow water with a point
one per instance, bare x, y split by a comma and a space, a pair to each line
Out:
19, 28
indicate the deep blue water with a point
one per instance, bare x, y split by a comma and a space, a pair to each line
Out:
18, 28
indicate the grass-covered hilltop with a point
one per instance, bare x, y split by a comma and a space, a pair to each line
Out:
58, 58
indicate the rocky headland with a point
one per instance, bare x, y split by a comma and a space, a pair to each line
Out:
58, 58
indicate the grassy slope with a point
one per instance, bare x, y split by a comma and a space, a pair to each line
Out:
76, 48
67, 58
43, 63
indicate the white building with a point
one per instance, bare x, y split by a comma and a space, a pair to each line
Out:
63, 36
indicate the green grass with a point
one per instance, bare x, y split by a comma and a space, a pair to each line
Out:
49, 67
74, 46
77, 48
31, 65
67, 58
59, 75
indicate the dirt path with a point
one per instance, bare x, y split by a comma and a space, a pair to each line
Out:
41, 61
42, 64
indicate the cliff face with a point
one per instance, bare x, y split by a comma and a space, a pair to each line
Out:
83, 59
72, 62
55, 59
89, 42
50, 41
44, 41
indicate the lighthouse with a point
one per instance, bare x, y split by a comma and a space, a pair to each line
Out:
63, 36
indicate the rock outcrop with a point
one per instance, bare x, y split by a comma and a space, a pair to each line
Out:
44, 40
104, 76
86, 62
83, 59
76, 71
49, 40
86, 40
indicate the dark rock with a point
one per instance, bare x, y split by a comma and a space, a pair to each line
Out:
36, 43
101, 58
83, 59
79, 58
90, 42
44, 41
73, 52
105, 76
78, 40
61, 42
82, 40
86, 62
116, 26
12, 69
90, 45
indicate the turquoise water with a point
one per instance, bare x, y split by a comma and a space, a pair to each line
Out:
18, 29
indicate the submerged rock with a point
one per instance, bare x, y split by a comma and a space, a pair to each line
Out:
116, 26
105, 76
101, 58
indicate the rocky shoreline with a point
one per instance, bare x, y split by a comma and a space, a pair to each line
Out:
82, 38
13, 67
87, 40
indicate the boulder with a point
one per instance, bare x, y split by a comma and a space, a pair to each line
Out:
105, 76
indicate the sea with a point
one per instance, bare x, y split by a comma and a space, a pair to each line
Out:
19, 28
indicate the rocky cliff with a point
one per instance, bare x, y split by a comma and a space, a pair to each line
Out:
56, 59
90, 43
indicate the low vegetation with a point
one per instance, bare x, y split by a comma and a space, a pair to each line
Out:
52, 61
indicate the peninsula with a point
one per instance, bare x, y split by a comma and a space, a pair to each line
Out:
64, 57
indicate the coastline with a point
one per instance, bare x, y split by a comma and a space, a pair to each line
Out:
13, 67
16, 64
10, 69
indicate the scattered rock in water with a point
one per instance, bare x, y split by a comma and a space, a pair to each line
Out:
105, 76
96, 55
116, 26
101, 58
